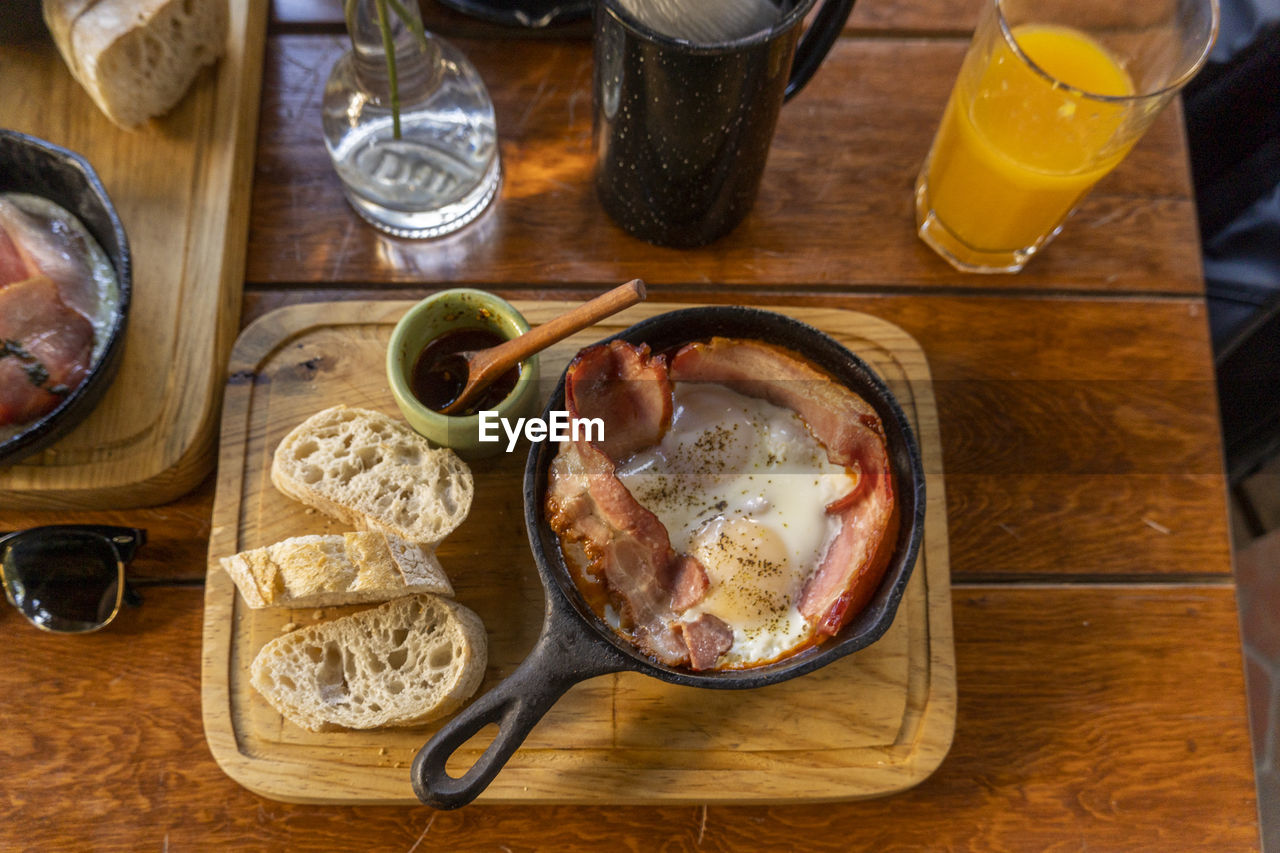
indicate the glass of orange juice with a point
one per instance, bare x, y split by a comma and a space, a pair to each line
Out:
1051, 96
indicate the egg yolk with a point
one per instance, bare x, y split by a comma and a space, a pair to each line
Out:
750, 574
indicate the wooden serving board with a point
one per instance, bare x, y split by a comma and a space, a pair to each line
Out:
181, 186
876, 722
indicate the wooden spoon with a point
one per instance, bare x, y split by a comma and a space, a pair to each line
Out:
482, 367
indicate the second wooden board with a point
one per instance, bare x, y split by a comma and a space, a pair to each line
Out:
876, 722
181, 185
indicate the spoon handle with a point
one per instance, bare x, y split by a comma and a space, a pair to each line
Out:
505, 356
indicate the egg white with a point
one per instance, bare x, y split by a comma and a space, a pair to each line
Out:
742, 485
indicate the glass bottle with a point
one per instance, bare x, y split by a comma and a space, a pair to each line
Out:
429, 167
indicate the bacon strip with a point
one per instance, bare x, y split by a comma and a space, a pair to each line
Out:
708, 637
845, 423
849, 428
853, 566
690, 582
625, 387
44, 349
627, 543
634, 556
51, 248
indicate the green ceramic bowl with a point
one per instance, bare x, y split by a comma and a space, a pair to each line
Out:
443, 312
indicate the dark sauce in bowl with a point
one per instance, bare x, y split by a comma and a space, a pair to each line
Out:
439, 374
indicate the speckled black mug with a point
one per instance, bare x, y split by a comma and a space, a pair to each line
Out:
682, 129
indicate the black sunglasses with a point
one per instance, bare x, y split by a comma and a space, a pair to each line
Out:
68, 578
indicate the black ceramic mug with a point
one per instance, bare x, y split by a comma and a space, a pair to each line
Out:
683, 126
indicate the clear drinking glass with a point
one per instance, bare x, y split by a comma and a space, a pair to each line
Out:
1050, 98
429, 165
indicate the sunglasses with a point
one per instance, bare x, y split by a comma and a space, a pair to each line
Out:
69, 578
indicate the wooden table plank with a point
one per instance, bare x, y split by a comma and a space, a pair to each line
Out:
1100, 718
1079, 435
834, 211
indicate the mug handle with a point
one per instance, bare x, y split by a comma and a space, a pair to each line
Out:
816, 42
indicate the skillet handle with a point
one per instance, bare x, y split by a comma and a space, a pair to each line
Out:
563, 656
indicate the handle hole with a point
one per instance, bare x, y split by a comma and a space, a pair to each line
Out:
462, 758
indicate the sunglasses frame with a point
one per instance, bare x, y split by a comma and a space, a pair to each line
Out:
123, 541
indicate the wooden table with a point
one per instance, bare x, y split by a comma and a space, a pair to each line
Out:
1100, 678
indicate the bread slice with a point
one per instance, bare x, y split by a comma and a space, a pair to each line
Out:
374, 473
137, 58
335, 569
405, 662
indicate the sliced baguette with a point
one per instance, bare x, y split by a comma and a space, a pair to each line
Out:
405, 662
137, 58
335, 569
374, 473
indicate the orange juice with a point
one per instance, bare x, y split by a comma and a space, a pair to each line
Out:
1016, 150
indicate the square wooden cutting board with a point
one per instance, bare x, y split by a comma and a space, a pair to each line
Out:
876, 722
180, 184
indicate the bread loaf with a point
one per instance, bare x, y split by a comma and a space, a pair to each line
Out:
405, 662
335, 569
374, 473
137, 58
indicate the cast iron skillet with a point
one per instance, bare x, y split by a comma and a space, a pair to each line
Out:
31, 165
575, 644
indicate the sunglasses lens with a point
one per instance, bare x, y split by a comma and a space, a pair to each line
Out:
66, 581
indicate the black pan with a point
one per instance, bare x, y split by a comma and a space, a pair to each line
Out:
576, 644
31, 165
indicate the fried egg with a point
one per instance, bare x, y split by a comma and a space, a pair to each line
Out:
742, 485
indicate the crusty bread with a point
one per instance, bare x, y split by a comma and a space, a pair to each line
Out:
373, 472
334, 569
137, 58
399, 664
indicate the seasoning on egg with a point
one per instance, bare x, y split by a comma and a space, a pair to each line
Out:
741, 485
